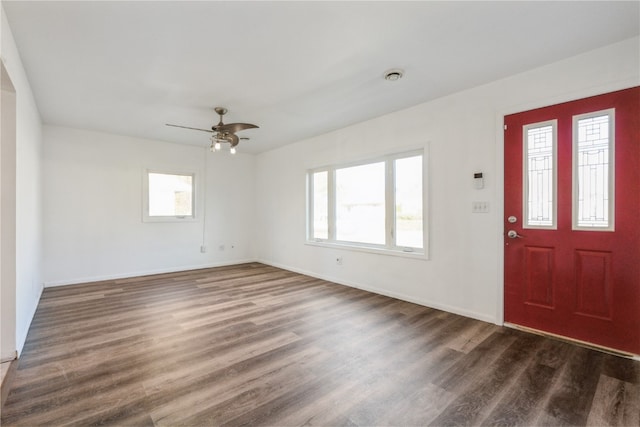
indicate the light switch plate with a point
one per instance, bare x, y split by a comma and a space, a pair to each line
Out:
480, 207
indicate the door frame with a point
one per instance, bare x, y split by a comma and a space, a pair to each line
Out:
499, 126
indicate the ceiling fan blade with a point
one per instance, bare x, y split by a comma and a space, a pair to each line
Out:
233, 127
187, 127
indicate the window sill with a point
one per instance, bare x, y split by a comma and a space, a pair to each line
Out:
168, 219
368, 249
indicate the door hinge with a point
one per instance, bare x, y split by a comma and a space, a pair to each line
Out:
505, 127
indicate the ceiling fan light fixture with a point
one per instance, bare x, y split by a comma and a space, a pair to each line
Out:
393, 75
233, 150
215, 143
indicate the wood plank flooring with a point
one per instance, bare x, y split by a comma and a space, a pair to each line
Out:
257, 345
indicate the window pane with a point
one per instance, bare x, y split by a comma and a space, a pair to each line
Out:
409, 202
320, 205
170, 195
360, 204
539, 167
592, 151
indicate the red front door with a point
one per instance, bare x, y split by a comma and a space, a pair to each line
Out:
572, 219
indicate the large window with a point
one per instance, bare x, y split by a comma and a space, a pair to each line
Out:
376, 204
168, 196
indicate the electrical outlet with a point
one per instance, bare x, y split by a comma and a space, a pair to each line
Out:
339, 260
203, 249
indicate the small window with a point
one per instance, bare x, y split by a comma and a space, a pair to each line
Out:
593, 171
168, 196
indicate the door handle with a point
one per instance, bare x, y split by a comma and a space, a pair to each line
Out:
513, 234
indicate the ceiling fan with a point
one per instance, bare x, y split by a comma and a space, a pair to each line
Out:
223, 132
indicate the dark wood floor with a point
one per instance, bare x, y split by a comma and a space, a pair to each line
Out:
256, 345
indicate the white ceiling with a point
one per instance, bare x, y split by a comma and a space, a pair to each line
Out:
296, 69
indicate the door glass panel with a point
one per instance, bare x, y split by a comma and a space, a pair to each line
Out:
593, 171
540, 175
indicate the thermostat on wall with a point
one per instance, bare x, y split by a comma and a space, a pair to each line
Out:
478, 180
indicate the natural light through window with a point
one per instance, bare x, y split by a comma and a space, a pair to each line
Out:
376, 204
360, 210
408, 228
320, 205
593, 148
540, 175
169, 195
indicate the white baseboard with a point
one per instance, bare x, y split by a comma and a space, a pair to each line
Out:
90, 279
432, 304
8, 357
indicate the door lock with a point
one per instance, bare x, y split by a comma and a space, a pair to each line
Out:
513, 234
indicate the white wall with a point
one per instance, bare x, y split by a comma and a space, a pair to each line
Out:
7, 218
93, 225
28, 189
464, 135
93, 193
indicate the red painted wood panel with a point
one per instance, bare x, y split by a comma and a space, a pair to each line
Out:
539, 275
595, 284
